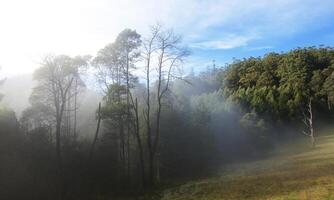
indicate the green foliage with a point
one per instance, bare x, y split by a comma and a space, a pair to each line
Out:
12, 171
279, 86
8, 120
36, 116
208, 102
329, 83
55, 76
255, 129
115, 62
115, 106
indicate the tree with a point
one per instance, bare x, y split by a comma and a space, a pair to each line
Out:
54, 79
165, 47
114, 65
38, 116
283, 87
75, 90
148, 51
128, 42
308, 121
96, 133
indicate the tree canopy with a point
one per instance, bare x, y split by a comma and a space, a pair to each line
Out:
279, 86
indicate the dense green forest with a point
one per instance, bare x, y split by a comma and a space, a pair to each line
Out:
156, 126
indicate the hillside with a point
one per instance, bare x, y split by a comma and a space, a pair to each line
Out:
294, 172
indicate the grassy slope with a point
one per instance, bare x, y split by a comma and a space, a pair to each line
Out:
296, 172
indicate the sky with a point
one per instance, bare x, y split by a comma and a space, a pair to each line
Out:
217, 30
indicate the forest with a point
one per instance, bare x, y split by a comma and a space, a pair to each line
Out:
154, 125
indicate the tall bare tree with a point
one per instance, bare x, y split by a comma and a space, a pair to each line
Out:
147, 54
164, 53
308, 121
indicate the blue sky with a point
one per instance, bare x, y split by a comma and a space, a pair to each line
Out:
213, 29
263, 27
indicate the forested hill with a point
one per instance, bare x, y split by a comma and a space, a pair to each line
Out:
294, 88
169, 130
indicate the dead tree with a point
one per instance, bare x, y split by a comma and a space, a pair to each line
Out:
308, 121
164, 54
148, 51
170, 56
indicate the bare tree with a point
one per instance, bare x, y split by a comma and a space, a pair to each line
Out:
148, 53
166, 47
171, 55
308, 121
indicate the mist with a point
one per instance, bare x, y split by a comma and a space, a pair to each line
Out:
124, 100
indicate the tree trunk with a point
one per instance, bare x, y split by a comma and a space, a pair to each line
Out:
68, 109
59, 159
96, 133
140, 146
311, 123
156, 142
148, 124
158, 167
308, 121
122, 137
159, 98
128, 115
75, 109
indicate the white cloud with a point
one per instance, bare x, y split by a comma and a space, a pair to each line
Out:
228, 42
31, 29
259, 48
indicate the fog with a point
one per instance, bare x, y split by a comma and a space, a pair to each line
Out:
63, 137
17, 90
166, 100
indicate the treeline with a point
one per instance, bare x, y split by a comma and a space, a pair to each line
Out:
294, 88
155, 125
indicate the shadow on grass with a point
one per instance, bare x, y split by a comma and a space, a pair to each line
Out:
298, 170
256, 187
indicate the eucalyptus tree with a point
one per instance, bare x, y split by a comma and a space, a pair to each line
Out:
128, 42
286, 87
54, 79
114, 66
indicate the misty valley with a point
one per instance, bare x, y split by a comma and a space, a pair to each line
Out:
216, 103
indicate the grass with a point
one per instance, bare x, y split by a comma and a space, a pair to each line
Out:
295, 172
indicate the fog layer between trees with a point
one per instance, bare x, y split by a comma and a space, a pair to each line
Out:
154, 125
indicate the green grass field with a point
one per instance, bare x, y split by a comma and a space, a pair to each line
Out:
295, 171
